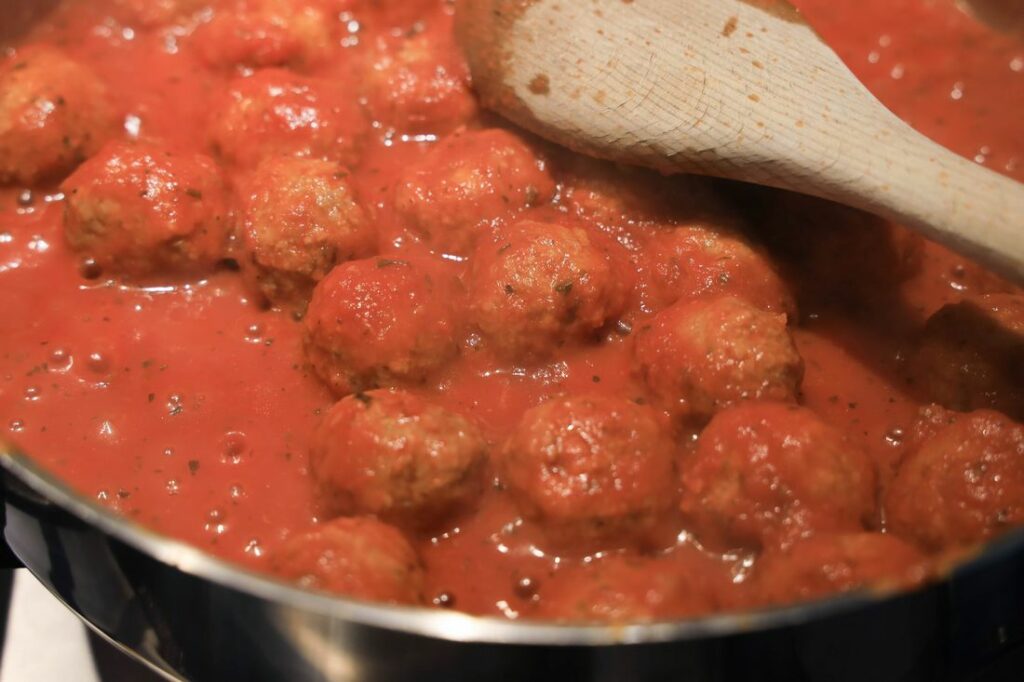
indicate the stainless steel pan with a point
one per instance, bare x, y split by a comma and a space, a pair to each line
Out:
189, 615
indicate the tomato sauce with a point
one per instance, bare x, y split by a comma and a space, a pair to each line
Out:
187, 406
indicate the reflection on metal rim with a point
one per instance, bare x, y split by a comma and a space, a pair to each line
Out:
134, 655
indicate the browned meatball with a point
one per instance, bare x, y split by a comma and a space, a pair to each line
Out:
261, 33
626, 588
837, 253
613, 195
766, 474
154, 13
276, 112
356, 557
379, 321
53, 115
420, 84
698, 357
963, 483
593, 465
137, 209
703, 260
467, 182
536, 286
299, 218
391, 453
971, 355
827, 564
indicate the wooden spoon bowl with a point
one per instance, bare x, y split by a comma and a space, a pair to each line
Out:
740, 89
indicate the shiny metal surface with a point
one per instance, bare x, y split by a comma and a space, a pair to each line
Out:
196, 617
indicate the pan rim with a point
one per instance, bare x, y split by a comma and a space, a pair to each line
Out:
451, 626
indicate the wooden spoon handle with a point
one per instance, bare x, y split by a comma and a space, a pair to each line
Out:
742, 89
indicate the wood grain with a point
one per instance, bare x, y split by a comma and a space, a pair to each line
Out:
736, 89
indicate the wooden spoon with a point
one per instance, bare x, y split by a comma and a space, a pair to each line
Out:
740, 89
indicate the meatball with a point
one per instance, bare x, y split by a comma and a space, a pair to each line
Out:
276, 112
465, 183
378, 321
356, 557
155, 13
613, 195
704, 260
54, 114
420, 84
697, 357
625, 588
535, 286
827, 564
766, 474
138, 209
971, 355
837, 253
962, 484
391, 453
261, 33
591, 465
299, 218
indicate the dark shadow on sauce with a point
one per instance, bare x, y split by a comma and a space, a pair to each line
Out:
17, 16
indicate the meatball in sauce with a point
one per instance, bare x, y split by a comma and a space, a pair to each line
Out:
962, 482
139, 209
275, 284
416, 81
485, 176
591, 465
389, 453
277, 112
826, 564
265, 33
535, 287
298, 219
766, 474
54, 113
357, 557
380, 322
698, 357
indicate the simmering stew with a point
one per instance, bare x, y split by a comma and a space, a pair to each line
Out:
272, 283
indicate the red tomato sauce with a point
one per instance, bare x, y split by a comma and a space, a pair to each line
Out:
184, 404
